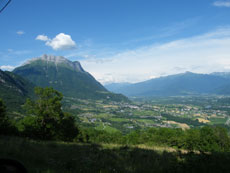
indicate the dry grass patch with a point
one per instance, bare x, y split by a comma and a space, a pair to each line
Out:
201, 120
181, 125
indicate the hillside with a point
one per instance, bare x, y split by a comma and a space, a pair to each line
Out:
65, 76
181, 84
78, 157
14, 90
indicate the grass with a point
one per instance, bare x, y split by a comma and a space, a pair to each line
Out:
158, 149
119, 119
84, 119
100, 126
76, 157
144, 113
103, 126
110, 129
218, 120
103, 115
147, 121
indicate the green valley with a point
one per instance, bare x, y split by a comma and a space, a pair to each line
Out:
171, 112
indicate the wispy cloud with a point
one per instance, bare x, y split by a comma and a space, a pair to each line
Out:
167, 31
222, 3
204, 53
59, 42
20, 32
42, 38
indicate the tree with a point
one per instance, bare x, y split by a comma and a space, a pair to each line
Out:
67, 128
222, 138
3, 119
214, 139
6, 128
49, 121
2, 112
192, 139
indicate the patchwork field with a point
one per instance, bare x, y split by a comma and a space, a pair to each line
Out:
172, 112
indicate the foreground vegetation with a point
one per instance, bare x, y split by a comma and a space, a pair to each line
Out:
77, 157
206, 139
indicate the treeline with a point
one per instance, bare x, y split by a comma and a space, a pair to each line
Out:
205, 139
45, 120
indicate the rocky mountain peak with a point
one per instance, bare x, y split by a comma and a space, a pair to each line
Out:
57, 60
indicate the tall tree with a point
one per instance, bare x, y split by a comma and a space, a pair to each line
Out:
6, 128
50, 121
2, 112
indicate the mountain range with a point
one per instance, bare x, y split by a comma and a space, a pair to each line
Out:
187, 83
66, 76
73, 81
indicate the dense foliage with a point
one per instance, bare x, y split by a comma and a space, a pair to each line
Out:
205, 139
2, 111
3, 118
6, 127
45, 119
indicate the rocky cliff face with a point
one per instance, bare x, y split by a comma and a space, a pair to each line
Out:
58, 61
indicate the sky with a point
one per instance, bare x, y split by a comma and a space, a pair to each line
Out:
119, 40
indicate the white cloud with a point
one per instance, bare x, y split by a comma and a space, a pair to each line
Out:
201, 54
20, 32
59, 42
222, 3
42, 38
7, 67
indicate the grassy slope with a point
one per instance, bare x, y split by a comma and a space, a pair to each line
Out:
75, 157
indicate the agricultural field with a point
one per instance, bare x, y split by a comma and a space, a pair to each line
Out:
172, 112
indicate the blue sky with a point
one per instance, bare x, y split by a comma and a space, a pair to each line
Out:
120, 40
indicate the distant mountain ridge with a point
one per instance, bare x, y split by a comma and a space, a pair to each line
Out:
222, 74
180, 84
65, 76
